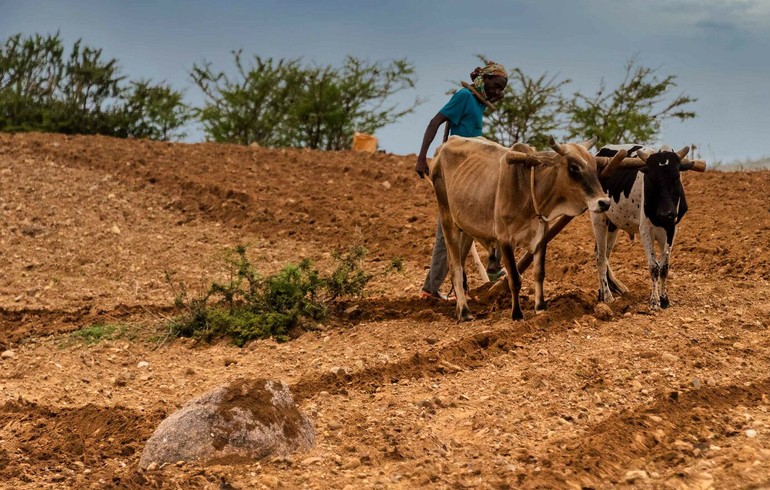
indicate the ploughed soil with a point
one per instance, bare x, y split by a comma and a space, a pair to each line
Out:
577, 396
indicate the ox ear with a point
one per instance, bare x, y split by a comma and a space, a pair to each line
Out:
588, 144
513, 157
683, 152
556, 146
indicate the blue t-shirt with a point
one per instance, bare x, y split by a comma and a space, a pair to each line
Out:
464, 113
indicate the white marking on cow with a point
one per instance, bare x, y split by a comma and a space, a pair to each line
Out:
627, 215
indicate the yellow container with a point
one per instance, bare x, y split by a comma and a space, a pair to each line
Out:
364, 142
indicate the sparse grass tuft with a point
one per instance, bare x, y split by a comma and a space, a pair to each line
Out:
99, 331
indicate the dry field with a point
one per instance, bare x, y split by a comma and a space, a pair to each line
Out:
573, 397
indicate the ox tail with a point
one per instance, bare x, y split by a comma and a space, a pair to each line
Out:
479, 265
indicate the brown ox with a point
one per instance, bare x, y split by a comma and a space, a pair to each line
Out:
506, 196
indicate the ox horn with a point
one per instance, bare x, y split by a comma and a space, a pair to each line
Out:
556, 146
696, 165
615, 162
513, 157
588, 144
643, 155
683, 152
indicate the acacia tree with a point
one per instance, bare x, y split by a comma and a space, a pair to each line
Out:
251, 107
91, 92
85, 94
283, 103
30, 74
632, 112
155, 111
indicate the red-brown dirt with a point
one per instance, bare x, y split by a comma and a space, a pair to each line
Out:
569, 398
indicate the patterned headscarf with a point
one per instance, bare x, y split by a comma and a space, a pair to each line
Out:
491, 69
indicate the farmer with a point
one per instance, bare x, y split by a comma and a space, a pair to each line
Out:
464, 114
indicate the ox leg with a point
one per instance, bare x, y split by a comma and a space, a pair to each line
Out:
614, 283
514, 279
600, 224
539, 266
665, 255
453, 237
648, 243
466, 245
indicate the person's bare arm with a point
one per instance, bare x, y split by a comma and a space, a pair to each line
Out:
427, 139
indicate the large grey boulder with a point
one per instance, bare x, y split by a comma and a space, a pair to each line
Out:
238, 423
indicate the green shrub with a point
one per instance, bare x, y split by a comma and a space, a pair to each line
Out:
249, 306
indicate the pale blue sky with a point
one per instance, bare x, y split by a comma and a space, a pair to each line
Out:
714, 47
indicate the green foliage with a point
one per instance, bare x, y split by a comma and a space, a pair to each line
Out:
250, 306
348, 279
283, 103
155, 111
40, 90
632, 112
253, 107
98, 332
533, 108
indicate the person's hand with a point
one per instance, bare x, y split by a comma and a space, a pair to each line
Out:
422, 167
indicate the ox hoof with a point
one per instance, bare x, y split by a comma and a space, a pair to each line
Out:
541, 307
465, 315
664, 302
516, 314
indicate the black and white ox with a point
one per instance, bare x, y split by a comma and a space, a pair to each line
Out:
649, 201
506, 197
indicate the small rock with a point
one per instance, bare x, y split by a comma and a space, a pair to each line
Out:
338, 371
311, 460
431, 340
739, 346
751, 433
696, 383
603, 312
115, 230
668, 357
746, 453
635, 475
426, 404
711, 381
8, 354
142, 364
334, 425
386, 184
351, 464
152, 466
229, 360
352, 310
270, 481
